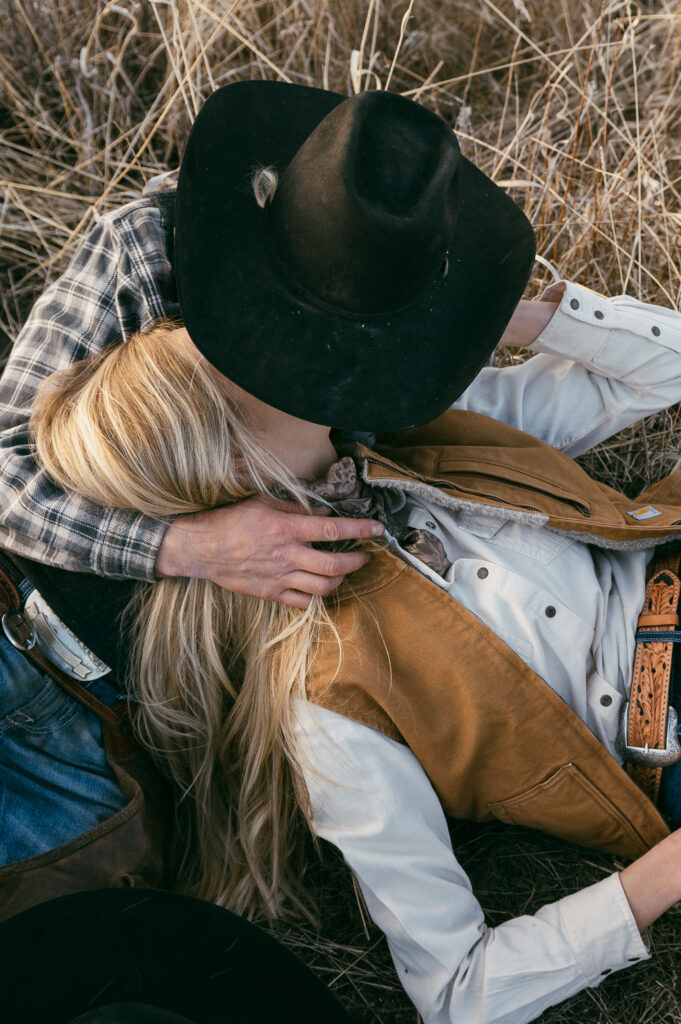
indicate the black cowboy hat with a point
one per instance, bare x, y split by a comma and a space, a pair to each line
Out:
374, 285
128, 956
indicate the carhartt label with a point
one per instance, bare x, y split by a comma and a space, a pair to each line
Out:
645, 512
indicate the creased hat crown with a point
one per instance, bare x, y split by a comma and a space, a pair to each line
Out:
364, 213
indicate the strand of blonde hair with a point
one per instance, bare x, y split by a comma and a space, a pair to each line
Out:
146, 426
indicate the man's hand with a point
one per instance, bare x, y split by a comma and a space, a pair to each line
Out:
262, 547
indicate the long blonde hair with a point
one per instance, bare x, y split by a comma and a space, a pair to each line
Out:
147, 427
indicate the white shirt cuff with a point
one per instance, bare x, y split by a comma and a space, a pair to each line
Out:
579, 326
609, 335
601, 929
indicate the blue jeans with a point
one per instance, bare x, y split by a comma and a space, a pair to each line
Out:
55, 782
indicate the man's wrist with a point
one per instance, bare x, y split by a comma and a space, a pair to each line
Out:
171, 557
528, 322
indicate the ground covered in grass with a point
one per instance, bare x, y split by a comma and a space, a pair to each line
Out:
574, 108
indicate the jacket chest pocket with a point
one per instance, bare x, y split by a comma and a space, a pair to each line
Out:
525, 487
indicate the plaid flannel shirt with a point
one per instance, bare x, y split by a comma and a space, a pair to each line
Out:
120, 281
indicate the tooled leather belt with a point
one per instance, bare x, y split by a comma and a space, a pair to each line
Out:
650, 722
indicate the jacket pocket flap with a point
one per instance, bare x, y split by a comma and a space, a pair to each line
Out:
510, 473
570, 806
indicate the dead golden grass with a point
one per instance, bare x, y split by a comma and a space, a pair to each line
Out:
575, 109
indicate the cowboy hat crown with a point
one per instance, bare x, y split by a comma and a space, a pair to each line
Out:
364, 213
372, 288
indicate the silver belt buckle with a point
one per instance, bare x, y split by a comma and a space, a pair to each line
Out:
21, 645
651, 756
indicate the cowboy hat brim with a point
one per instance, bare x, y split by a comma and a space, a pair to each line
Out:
364, 373
184, 955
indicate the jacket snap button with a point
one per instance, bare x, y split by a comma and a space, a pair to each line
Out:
598, 314
574, 303
606, 700
483, 574
431, 526
656, 331
549, 612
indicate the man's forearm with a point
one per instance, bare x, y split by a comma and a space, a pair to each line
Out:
82, 537
119, 280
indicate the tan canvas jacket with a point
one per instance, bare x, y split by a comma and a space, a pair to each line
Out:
492, 736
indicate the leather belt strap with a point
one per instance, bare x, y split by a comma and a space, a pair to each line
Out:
651, 681
644, 621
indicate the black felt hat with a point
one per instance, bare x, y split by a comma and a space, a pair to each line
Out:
374, 285
126, 956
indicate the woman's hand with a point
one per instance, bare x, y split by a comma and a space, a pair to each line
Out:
263, 547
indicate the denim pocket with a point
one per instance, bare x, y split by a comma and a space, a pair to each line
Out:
55, 781
48, 711
27, 696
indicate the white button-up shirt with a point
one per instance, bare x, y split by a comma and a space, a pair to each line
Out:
569, 609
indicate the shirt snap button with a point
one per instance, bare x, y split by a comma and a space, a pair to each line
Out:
483, 574
574, 303
599, 314
656, 331
549, 611
606, 700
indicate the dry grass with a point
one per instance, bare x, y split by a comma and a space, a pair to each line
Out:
574, 108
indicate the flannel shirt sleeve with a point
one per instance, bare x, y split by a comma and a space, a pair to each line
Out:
119, 281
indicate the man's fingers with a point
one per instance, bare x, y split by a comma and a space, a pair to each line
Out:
316, 529
330, 563
309, 583
294, 599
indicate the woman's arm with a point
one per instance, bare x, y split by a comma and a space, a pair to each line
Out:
373, 801
528, 322
601, 365
652, 884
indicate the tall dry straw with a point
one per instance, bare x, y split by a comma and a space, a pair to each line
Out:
575, 108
